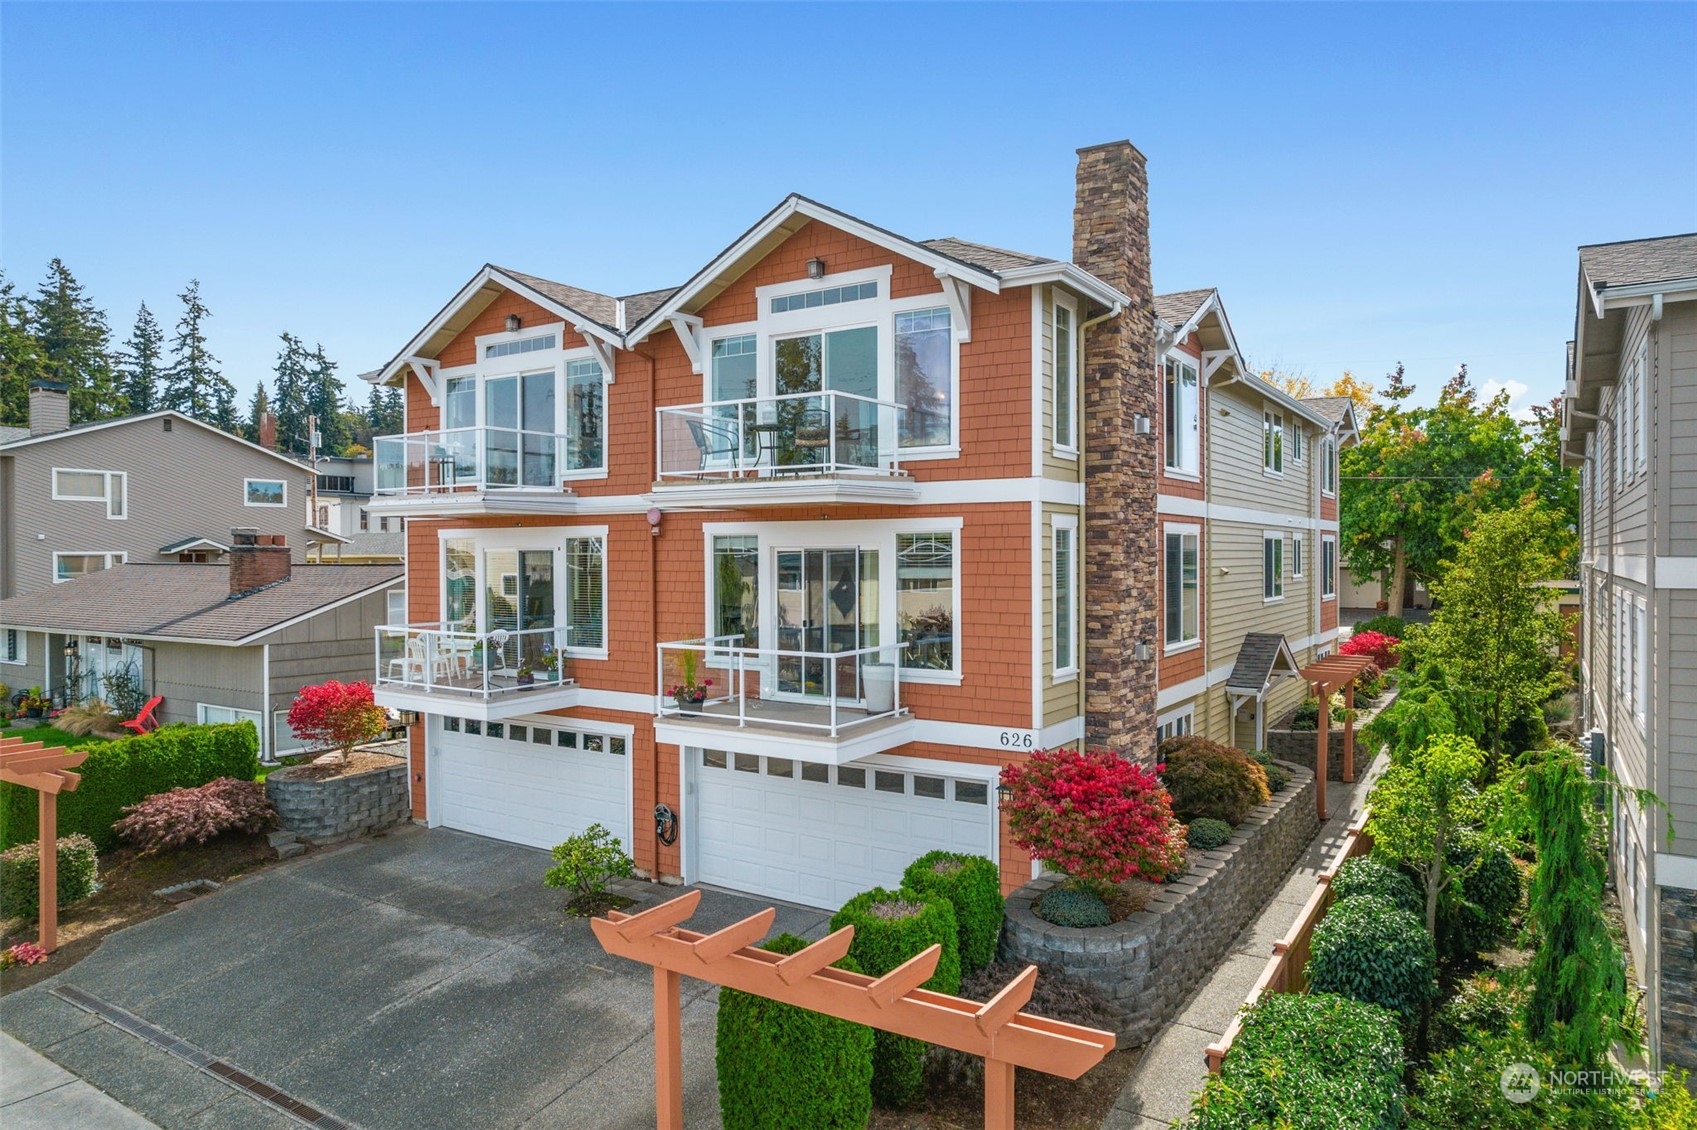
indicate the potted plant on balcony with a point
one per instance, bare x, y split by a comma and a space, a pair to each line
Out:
688, 694
527, 674
550, 661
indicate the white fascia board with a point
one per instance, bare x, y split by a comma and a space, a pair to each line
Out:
396, 364
1641, 294
1068, 274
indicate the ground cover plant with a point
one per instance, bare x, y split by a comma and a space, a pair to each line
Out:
178, 817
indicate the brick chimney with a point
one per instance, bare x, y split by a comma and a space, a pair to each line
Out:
256, 560
268, 430
49, 407
1121, 532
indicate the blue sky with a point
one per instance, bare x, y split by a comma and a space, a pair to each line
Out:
1363, 183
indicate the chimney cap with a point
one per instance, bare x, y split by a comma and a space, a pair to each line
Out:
244, 535
1123, 143
42, 384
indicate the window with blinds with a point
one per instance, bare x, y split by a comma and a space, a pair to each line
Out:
1183, 587
586, 593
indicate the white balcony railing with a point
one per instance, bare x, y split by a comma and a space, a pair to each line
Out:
826, 692
475, 459
442, 659
809, 433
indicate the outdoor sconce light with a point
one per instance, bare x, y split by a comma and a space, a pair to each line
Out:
70, 649
406, 718
654, 520
513, 323
816, 268
1143, 652
1140, 424
1003, 794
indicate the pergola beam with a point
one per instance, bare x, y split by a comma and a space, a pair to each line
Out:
48, 772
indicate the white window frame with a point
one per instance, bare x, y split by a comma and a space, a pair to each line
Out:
1328, 567
14, 646
1175, 723
247, 497
202, 709
1293, 437
511, 538
1181, 530
1272, 453
557, 359
116, 557
1643, 424
1069, 524
1296, 537
1189, 465
1329, 466
1640, 661
1273, 541
1066, 445
116, 494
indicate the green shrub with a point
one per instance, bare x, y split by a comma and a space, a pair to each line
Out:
1277, 775
1070, 906
1461, 1089
1526, 730
20, 875
973, 886
1368, 949
1206, 778
1476, 914
1307, 1061
1365, 875
786, 1068
889, 928
1306, 720
1394, 626
1484, 1005
120, 773
1055, 995
585, 862
1208, 833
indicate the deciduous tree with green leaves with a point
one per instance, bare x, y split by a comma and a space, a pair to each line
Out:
1418, 805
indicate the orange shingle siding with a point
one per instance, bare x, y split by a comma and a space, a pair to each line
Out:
1329, 613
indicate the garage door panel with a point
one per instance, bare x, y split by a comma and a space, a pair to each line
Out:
524, 792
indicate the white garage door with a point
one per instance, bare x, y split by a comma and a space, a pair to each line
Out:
529, 783
820, 834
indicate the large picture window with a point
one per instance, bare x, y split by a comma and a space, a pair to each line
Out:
925, 377
925, 600
1183, 583
736, 589
1066, 597
265, 492
1181, 429
110, 487
1066, 379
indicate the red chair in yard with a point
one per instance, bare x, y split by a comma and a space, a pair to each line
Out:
145, 721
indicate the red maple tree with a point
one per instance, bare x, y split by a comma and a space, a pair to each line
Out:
336, 715
1094, 815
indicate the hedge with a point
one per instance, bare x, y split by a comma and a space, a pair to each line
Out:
1364, 875
1368, 948
1490, 890
787, 1068
882, 943
973, 886
20, 875
1307, 1061
120, 773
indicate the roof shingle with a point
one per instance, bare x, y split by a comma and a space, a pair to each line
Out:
983, 255
1332, 408
1640, 260
1177, 308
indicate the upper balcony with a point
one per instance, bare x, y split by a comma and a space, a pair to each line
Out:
801, 447
449, 669
477, 471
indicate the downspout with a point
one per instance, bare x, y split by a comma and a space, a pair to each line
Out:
652, 636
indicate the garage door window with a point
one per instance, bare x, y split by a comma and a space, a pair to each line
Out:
518, 733
889, 782
819, 774
713, 759
851, 777
932, 787
780, 767
972, 792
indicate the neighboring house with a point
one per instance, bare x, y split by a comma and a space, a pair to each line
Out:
159, 487
1249, 526
1630, 424
219, 643
340, 501
896, 499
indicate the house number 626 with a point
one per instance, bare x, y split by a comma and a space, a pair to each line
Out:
1018, 739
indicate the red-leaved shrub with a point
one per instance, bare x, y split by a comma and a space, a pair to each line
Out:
334, 715
1380, 646
1094, 815
179, 817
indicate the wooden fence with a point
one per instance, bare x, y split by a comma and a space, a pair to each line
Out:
1286, 970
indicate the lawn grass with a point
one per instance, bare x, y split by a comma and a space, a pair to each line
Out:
50, 737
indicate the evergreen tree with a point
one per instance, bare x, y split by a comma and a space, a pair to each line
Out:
324, 400
20, 355
141, 364
291, 403
193, 384
256, 410
385, 413
75, 345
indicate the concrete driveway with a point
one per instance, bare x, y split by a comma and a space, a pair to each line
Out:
423, 979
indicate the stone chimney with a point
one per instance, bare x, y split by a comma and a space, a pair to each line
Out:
256, 560
1121, 531
49, 407
268, 430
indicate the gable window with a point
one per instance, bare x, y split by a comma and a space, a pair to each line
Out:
1181, 421
110, 487
13, 648
925, 377
70, 566
1066, 379
1328, 466
524, 345
736, 590
1066, 596
1183, 584
1328, 567
925, 600
829, 296
1273, 442
1272, 566
265, 492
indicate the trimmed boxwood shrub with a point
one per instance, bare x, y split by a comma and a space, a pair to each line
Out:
1069, 906
121, 773
20, 875
787, 1068
1208, 833
1364, 875
889, 928
1206, 778
973, 886
1369, 949
1308, 1060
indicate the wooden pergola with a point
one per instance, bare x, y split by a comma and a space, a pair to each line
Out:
49, 772
998, 1030
1325, 676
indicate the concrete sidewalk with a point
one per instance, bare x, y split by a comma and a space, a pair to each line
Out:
38, 1094
1172, 1069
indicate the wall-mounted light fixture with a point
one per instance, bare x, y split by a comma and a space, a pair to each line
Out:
70, 649
654, 520
816, 268
513, 323
1003, 794
1140, 424
1143, 652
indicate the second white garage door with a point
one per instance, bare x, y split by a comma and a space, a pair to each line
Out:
820, 834
529, 784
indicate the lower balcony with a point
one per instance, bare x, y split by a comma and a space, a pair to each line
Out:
444, 669
832, 706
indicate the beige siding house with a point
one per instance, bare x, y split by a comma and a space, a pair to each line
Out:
1630, 425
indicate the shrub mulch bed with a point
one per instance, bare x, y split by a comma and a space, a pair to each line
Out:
127, 882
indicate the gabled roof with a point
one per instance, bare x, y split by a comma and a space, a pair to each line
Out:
600, 308
1262, 656
186, 544
983, 255
120, 421
190, 602
1340, 410
1181, 306
9, 434
1634, 262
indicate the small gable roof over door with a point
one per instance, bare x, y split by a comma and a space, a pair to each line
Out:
1263, 657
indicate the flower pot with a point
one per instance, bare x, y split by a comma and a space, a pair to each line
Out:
878, 684
527, 679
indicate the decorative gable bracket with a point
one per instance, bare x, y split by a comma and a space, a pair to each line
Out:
688, 328
959, 295
428, 373
1212, 359
600, 347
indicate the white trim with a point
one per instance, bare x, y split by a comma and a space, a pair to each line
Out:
121, 496
1057, 303
1178, 506
1036, 381
171, 413
1332, 541
1057, 523
1190, 447
534, 538
20, 639
1274, 538
1181, 530
254, 716
1060, 733
247, 497
1184, 713
1037, 583
1071, 275
1272, 443
1676, 572
1676, 870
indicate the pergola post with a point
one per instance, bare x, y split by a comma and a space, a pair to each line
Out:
47, 841
1349, 731
668, 1052
998, 1094
48, 771
1322, 733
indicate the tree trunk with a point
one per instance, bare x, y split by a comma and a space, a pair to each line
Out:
1434, 884
1398, 578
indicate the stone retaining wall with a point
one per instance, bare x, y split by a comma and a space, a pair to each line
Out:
340, 808
1298, 745
1150, 963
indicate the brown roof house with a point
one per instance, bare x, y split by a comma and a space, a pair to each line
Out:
219, 642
